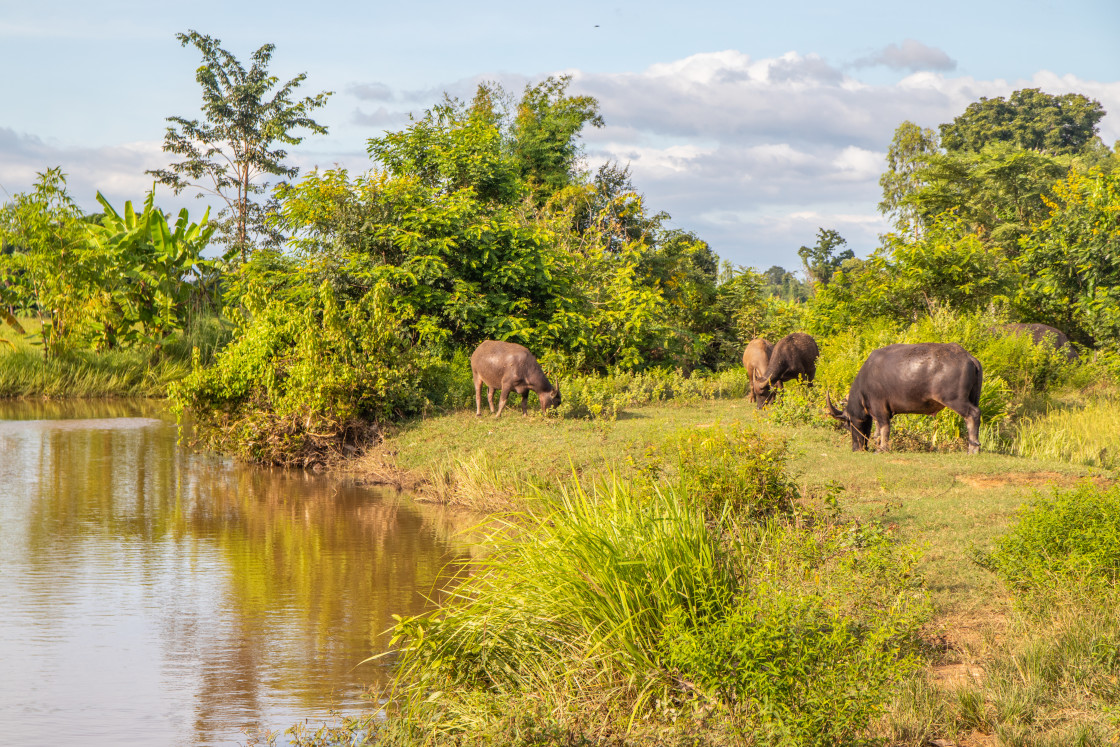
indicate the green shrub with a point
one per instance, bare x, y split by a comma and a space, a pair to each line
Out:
799, 403
1070, 539
734, 468
797, 672
298, 383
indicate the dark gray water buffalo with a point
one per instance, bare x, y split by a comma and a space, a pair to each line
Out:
921, 379
511, 368
1044, 334
795, 355
755, 359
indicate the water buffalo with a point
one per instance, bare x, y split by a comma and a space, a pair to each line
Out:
795, 355
1044, 334
509, 367
921, 379
755, 359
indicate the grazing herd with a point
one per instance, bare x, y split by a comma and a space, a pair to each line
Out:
921, 379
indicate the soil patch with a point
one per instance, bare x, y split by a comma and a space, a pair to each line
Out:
1018, 479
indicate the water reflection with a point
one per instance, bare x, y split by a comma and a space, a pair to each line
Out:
158, 597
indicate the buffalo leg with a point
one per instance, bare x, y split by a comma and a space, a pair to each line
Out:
502, 401
883, 421
490, 397
524, 401
477, 396
971, 415
885, 435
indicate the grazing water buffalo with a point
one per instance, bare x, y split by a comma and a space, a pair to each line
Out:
921, 379
1044, 334
509, 367
755, 359
794, 355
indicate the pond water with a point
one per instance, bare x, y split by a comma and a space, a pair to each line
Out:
150, 595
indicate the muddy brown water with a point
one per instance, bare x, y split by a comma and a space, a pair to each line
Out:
150, 595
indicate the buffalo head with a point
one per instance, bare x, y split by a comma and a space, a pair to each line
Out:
860, 428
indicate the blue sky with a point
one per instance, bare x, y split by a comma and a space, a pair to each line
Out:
752, 124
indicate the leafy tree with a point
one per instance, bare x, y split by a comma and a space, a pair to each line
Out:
820, 260
246, 118
1029, 119
907, 159
545, 132
1073, 258
998, 192
783, 284
453, 147
43, 269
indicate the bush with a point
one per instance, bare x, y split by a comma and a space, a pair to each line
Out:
300, 383
735, 469
1068, 539
598, 397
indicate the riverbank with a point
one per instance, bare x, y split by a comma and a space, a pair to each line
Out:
946, 501
948, 507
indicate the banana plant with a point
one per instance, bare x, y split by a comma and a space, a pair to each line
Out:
152, 270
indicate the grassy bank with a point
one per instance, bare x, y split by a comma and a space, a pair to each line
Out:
982, 658
136, 372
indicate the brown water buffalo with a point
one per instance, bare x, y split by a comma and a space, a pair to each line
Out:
511, 368
755, 359
921, 379
795, 355
1044, 334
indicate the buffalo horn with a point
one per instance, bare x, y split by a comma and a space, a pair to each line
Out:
832, 408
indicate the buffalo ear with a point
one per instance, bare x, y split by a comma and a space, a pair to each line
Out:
839, 415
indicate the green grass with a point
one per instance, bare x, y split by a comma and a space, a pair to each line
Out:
947, 503
1086, 433
25, 372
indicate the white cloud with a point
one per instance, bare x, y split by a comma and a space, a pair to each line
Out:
753, 154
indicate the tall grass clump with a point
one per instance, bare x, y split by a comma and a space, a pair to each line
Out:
130, 373
641, 612
1087, 434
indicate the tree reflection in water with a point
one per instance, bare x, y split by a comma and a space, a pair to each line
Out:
238, 597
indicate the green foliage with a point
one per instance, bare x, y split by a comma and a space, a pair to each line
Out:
152, 277
42, 267
906, 159
300, 383
235, 144
544, 134
822, 259
1069, 539
107, 281
998, 192
453, 147
799, 403
1074, 266
735, 469
1028, 120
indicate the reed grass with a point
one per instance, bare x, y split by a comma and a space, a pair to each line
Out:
1087, 434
